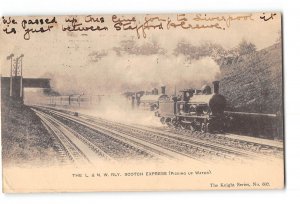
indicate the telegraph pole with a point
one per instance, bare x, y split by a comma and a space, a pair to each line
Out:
21, 74
10, 57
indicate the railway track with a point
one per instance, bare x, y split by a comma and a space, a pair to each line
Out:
249, 146
266, 148
68, 147
141, 147
209, 145
178, 143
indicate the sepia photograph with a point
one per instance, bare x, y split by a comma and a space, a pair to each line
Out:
142, 102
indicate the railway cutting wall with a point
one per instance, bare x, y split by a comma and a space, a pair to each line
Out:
253, 83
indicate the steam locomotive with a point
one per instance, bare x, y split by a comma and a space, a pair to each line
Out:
147, 100
196, 110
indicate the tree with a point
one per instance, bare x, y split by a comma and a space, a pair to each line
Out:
245, 47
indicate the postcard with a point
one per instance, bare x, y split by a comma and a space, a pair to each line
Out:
154, 102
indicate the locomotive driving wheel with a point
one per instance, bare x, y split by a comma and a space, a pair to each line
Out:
174, 122
192, 127
196, 125
162, 120
168, 122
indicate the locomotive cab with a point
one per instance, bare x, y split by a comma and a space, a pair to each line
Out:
182, 105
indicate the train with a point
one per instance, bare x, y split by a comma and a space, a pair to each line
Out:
203, 110
74, 100
195, 109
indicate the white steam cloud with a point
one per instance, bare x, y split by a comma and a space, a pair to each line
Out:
117, 74
117, 108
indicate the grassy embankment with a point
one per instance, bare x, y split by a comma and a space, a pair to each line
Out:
25, 141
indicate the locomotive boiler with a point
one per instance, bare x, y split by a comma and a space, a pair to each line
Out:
197, 110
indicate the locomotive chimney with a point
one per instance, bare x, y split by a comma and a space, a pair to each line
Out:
216, 86
163, 90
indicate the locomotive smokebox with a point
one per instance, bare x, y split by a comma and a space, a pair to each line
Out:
163, 90
216, 86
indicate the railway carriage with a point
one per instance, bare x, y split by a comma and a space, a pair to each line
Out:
64, 100
75, 100
59, 100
